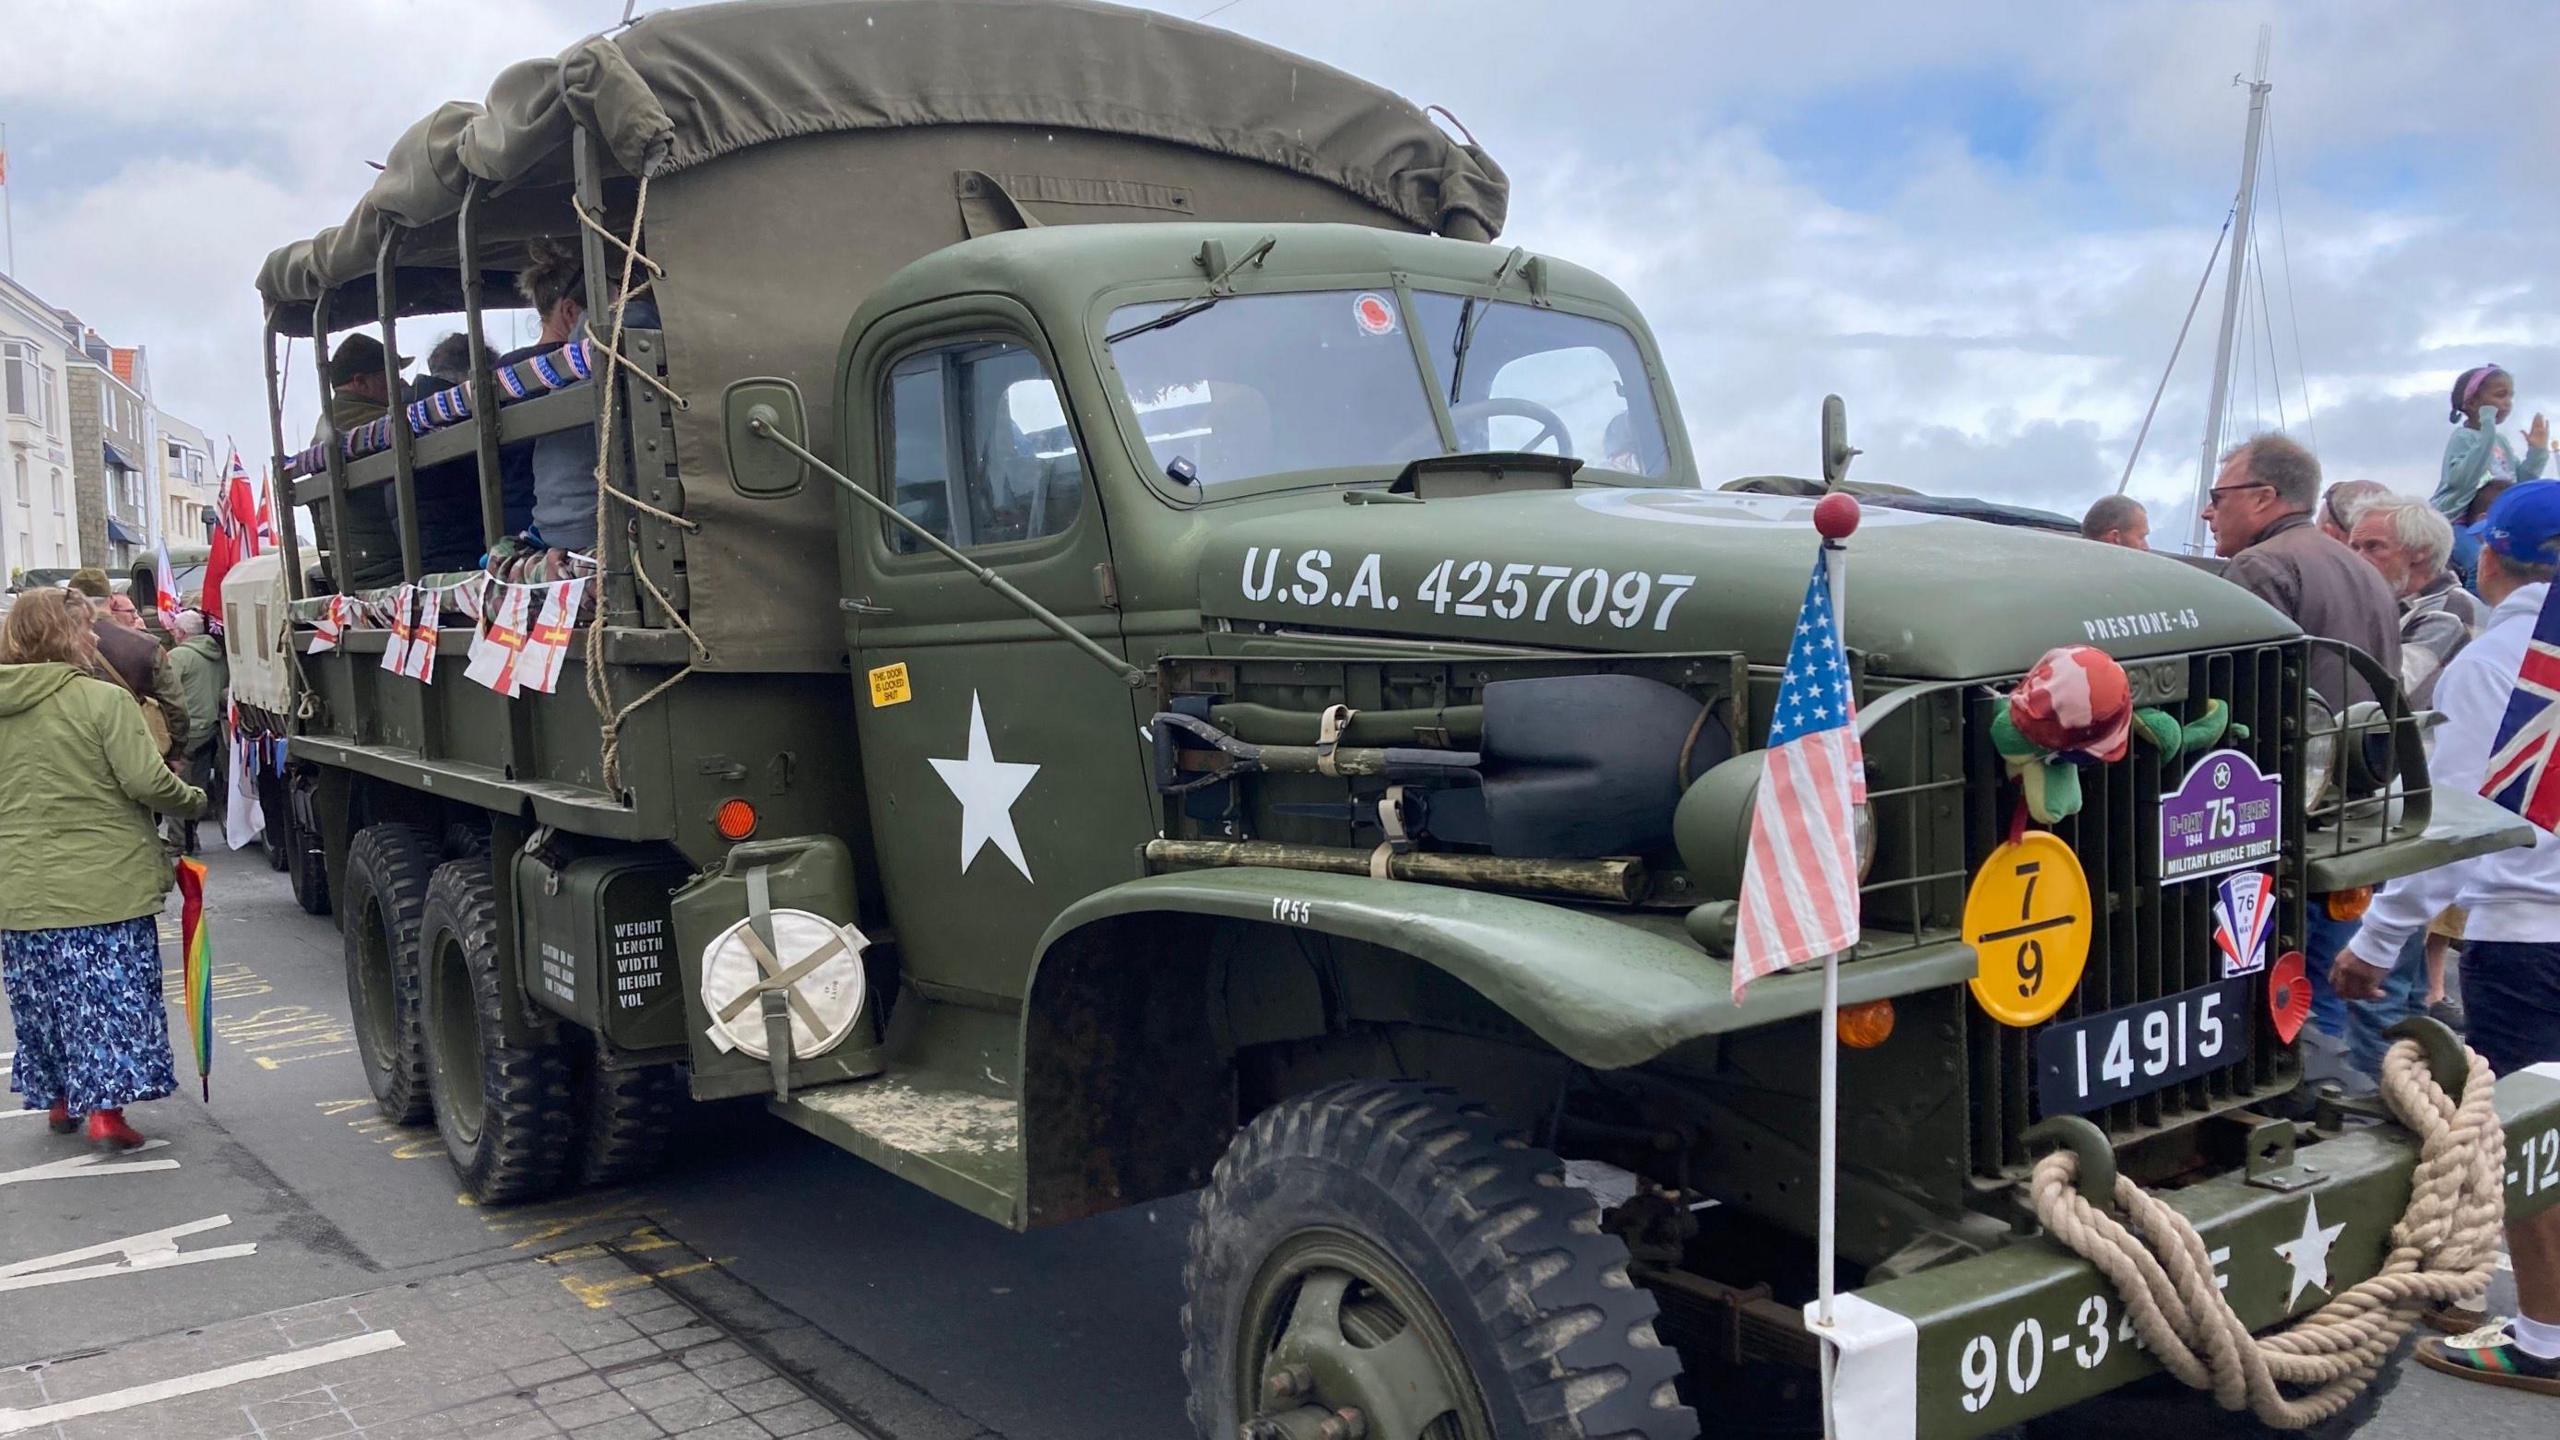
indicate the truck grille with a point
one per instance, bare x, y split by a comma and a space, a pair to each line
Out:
2150, 940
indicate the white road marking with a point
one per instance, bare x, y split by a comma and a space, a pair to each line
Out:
80, 1167
157, 1250
23, 1114
17, 1422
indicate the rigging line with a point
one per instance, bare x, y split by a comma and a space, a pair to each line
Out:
2183, 326
2267, 332
1216, 10
2293, 311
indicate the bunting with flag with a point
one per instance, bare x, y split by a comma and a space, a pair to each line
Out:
235, 532
165, 580
2521, 775
195, 950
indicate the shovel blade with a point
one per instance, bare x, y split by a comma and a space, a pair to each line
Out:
1578, 767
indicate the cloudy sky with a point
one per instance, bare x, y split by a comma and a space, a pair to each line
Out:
1980, 223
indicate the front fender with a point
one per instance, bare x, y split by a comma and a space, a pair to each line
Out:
1607, 990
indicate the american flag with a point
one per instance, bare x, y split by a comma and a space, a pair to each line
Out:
1800, 877
2521, 776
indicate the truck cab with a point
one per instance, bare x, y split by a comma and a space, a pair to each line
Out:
1130, 651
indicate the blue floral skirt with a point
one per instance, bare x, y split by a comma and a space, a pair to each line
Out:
92, 1026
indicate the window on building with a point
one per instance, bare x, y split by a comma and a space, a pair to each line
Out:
45, 389
22, 377
26, 551
57, 495
979, 450
18, 478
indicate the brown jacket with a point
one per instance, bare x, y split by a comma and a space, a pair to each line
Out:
143, 666
2331, 593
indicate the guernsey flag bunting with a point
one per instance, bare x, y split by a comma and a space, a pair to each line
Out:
196, 948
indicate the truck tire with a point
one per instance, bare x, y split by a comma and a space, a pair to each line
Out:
503, 1109
1384, 1246
625, 1117
307, 865
387, 871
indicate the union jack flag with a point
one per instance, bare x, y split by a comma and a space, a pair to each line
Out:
2521, 775
1800, 876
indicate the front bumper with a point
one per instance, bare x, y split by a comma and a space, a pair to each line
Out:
1972, 1347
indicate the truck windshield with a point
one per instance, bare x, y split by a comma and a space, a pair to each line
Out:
1268, 384
1521, 378
1325, 380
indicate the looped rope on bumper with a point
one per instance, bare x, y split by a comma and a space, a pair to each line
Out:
2441, 1251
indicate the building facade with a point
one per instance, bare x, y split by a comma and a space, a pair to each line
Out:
185, 469
39, 527
110, 430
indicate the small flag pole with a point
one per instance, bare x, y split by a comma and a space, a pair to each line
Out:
1836, 517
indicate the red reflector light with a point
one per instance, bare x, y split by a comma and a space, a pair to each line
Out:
735, 819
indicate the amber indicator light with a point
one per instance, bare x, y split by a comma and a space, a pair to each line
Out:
1866, 1026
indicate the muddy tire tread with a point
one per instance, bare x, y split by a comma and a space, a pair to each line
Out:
392, 863
1491, 1206
526, 1128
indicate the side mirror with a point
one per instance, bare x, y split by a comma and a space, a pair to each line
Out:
1837, 452
758, 468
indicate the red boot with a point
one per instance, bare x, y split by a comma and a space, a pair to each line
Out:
59, 1117
108, 1132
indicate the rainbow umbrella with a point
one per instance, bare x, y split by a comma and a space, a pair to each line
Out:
196, 950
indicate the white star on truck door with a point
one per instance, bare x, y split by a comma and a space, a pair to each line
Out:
986, 789
2308, 1252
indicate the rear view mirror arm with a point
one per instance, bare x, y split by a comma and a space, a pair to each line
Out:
762, 422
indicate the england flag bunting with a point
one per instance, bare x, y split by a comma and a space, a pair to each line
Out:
395, 653
420, 663
2521, 775
331, 626
548, 648
498, 649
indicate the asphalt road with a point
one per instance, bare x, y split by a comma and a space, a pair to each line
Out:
946, 1326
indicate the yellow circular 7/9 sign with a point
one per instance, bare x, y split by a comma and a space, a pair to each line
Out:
2027, 919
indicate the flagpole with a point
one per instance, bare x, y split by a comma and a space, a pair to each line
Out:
1836, 517
8, 212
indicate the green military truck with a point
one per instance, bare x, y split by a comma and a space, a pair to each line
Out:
1133, 647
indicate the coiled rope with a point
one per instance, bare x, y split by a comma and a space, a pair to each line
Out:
2441, 1251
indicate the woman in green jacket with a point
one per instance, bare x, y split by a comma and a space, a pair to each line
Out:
79, 943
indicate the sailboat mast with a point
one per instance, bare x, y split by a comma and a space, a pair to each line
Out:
2236, 275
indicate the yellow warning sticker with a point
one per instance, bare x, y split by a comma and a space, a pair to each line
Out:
889, 686
2027, 918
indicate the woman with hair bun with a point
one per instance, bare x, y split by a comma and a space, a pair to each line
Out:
2479, 461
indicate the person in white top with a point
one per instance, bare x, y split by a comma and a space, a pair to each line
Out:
2511, 942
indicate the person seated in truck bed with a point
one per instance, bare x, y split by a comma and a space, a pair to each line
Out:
359, 392
563, 511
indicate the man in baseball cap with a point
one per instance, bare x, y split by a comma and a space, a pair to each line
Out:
2511, 944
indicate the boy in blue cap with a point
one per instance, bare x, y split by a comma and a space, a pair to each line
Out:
2511, 945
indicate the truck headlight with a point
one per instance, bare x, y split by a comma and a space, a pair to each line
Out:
1712, 827
2319, 754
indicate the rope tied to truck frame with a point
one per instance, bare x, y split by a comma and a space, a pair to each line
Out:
599, 691
2441, 1251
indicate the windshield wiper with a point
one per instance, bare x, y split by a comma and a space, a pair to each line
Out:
1467, 324
1206, 300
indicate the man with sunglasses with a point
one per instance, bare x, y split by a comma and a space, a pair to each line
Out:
2260, 509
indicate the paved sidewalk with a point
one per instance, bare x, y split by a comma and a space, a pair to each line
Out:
585, 1342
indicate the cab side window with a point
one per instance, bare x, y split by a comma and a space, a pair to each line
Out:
979, 451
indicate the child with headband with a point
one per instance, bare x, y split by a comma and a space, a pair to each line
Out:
2479, 462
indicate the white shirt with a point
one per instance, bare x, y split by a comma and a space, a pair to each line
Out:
2510, 894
